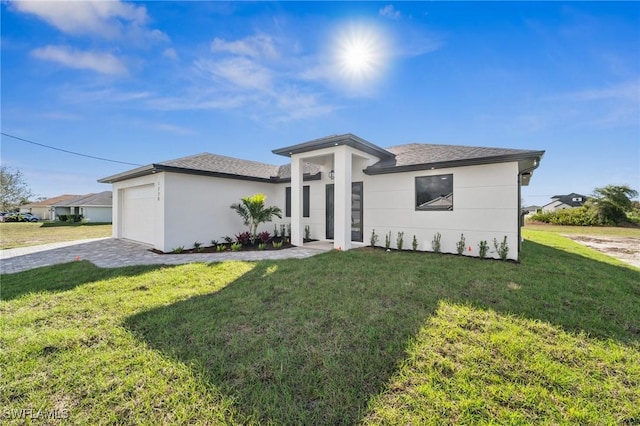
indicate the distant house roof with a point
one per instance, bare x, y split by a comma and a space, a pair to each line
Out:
51, 201
400, 158
573, 199
438, 203
101, 199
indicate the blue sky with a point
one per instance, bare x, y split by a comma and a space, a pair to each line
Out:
145, 82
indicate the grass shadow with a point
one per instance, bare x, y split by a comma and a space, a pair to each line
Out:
62, 277
311, 341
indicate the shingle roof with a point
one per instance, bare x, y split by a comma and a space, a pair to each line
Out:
51, 201
568, 199
415, 154
399, 158
221, 164
101, 199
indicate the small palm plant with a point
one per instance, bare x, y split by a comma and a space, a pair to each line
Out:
253, 212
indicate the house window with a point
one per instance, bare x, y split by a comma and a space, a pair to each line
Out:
434, 192
305, 201
577, 199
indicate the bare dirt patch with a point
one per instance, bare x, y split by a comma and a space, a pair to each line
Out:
626, 249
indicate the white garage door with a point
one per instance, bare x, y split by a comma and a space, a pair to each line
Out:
138, 213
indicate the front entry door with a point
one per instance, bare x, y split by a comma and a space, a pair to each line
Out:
356, 211
329, 211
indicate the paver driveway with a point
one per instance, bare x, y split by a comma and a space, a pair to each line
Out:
112, 253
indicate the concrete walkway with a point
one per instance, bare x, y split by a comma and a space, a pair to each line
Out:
113, 253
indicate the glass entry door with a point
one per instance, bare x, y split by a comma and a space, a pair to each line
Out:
356, 211
329, 211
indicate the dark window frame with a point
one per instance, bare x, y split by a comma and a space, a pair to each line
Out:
420, 198
306, 197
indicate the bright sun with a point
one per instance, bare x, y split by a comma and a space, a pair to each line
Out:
361, 54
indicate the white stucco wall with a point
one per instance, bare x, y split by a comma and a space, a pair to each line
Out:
485, 207
197, 208
155, 213
96, 214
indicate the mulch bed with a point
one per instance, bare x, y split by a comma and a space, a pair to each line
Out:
246, 247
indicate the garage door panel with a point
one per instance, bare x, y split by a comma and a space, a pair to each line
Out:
138, 213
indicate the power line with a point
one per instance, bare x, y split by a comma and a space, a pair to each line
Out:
67, 151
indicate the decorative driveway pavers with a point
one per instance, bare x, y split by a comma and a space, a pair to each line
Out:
113, 253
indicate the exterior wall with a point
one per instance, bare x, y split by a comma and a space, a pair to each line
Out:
197, 208
96, 214
57, 211
485, 206
156, 212
42, 212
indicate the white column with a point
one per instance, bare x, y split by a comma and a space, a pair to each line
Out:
297, 236
342, 203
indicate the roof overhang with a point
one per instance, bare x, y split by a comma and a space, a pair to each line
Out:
158, 168
348, 139
527, 162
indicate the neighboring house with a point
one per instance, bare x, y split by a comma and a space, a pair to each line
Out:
92, 207
342, 187
560, 202
45, 208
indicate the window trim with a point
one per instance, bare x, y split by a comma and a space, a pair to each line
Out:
432, 209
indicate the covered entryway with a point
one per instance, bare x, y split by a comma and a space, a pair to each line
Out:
137, 209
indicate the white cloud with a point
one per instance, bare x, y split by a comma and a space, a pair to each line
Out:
390, 12
170, 53
104, 63
259, 45
164, 127
55, 115
107, 19
240, 72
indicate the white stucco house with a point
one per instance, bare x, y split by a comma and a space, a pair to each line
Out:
342, 187
92, 207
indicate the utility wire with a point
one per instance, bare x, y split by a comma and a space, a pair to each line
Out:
67, 151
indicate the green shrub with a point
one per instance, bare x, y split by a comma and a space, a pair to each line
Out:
502, 249
220, 247
400, 240
307, 232
435, 243
461, 245
414, 243
236, 246
484, 248
387, 240
178, 250
62, 217
277, 244
374, 238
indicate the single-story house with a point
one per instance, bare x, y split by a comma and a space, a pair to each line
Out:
569, 201
45, 208
342, 187
92, 207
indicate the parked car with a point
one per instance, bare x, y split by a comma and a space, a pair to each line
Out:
20, 217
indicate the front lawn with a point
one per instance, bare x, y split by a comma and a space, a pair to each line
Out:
362, 336
23, 234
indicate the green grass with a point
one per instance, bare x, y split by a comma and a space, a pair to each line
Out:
23, 234
352, 337
614, 231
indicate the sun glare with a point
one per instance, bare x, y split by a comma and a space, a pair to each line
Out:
360, 54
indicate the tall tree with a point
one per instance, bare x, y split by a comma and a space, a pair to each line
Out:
613, 202
14, 190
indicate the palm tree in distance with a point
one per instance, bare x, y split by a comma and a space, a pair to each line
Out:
253, 212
